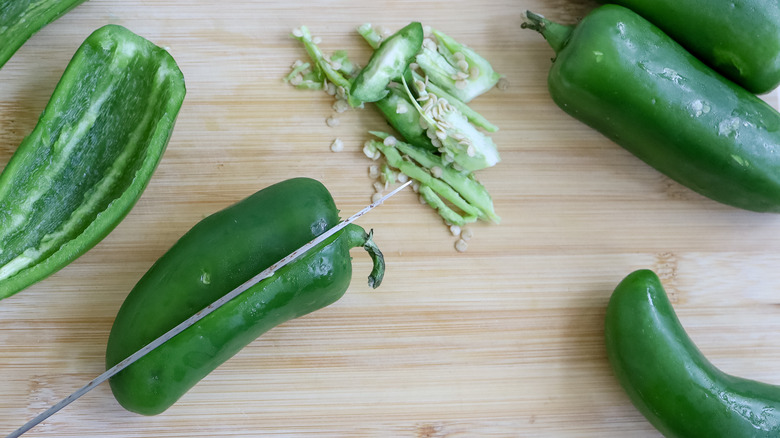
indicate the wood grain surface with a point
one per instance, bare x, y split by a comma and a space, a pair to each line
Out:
504, 340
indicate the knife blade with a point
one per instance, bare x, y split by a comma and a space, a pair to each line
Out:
200, 315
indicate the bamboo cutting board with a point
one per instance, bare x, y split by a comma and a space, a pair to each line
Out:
504, 340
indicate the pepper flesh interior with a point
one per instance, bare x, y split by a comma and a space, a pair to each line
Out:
89, 158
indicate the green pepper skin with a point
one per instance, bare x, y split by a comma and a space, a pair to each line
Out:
738, 38
21, 19
387, 63
669, 380
89, 158
217, 255
406, 123
624, 77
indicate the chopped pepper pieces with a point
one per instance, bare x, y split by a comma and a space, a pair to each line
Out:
438, 125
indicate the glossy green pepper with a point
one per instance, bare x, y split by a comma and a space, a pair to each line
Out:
669, 380
624, 77
217, 255
20, 19
739, 38
89, 158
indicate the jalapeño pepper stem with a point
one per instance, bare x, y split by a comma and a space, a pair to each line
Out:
356, 236
556, 34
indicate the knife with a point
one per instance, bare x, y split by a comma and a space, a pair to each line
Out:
200, 315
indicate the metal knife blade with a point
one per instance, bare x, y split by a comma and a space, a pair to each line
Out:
200, 315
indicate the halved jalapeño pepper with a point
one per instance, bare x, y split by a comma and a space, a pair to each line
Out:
89, 158
20, 19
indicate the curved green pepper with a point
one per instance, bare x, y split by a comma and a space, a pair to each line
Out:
217, 255
89, 158
20, 19
739, 38
668, 379
621, 75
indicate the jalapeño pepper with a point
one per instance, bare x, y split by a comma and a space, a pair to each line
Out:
89, 158
738, 38
669, 380
624, 77
20, 19
217, 255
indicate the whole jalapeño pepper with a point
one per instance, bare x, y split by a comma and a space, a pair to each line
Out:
621, 75
738, 38
669, 380
217, 255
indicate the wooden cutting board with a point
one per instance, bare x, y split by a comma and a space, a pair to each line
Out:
504, 340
